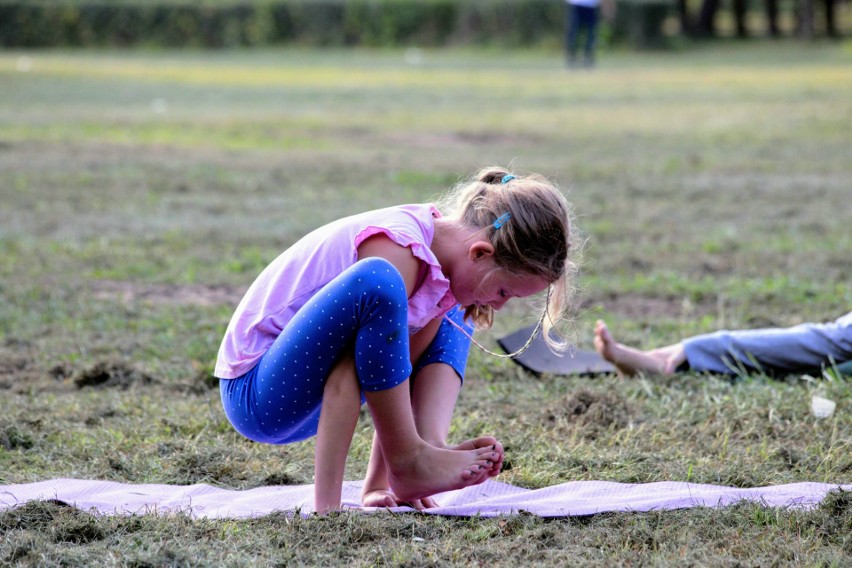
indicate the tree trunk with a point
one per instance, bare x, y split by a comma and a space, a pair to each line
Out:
830, 29
772, 17
687, 25
739, 7
707, 18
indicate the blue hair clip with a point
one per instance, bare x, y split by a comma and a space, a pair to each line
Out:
501, 220
507, 178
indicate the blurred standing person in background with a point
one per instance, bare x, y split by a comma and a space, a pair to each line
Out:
582, 16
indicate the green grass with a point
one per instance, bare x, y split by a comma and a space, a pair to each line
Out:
142, 192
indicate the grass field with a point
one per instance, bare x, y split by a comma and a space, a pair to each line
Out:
141, 192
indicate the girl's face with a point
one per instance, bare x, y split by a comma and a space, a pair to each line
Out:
486, 285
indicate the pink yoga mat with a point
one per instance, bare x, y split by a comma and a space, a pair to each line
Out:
489, 499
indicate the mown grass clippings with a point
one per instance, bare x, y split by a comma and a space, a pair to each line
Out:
12, 438
589, 410
746, 533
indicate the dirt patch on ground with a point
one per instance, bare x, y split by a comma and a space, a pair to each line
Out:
13, 362
631, 306
169, 294
590, 410
17, 365
111, 373
20, 372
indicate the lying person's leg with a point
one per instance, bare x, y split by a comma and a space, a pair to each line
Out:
802, 348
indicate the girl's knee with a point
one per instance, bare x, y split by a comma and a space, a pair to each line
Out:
377, 267
380, 278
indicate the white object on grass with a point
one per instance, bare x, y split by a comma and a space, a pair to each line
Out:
822, 407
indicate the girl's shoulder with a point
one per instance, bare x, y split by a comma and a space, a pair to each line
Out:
421, 214
406, 224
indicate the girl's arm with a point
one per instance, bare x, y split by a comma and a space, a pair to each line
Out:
376, 491
440, 387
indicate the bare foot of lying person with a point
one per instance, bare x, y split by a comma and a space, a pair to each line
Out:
630, 361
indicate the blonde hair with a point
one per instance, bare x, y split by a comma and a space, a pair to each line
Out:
537, 238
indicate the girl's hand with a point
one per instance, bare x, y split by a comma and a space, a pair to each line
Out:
379, 498
386, 498
424, 503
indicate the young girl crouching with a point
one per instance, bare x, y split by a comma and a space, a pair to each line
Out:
378, 307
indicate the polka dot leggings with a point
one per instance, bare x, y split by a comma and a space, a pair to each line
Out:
363, 309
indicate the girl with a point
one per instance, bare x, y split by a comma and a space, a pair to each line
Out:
355, 308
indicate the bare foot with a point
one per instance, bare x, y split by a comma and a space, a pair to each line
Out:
627, 360
386, 498
427, 470
484, 442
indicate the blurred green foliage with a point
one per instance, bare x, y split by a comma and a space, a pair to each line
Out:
373, 23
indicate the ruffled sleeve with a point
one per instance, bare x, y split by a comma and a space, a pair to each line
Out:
433, 297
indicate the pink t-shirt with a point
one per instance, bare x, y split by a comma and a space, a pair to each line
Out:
303, 269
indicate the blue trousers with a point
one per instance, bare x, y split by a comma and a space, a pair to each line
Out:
581, 18
802, 348
365, 310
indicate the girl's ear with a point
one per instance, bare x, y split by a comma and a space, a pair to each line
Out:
480, 249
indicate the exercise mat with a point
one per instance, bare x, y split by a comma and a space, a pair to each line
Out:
539, 359
489, 499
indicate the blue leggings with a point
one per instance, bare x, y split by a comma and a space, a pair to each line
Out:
363, 310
